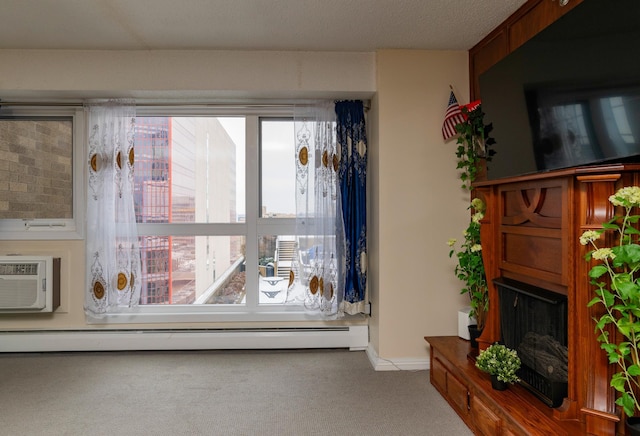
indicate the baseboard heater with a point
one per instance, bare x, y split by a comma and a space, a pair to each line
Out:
351, 337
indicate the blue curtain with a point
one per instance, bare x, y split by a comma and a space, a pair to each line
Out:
351, 141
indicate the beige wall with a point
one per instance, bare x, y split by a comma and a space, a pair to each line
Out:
416, 204
190, 73
415, 200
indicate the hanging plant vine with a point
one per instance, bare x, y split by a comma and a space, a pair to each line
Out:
474, 144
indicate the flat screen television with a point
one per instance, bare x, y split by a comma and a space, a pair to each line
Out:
570, 96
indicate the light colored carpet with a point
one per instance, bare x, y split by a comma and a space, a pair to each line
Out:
307, 392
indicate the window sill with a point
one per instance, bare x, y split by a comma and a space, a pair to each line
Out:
189, 314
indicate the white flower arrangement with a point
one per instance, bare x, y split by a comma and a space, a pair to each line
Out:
616, 282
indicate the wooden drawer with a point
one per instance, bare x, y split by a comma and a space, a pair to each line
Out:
452, 388
458, 394
486, 421
439, 375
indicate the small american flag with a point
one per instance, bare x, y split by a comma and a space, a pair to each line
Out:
452, 117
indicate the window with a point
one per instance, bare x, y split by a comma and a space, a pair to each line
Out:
215, 206
214, 198
187, 186
40, 191
277, 168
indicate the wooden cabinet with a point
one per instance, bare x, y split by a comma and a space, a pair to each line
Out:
526, 22
449, 386
486, 411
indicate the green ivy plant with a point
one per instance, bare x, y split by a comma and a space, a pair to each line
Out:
474, 144
616, 281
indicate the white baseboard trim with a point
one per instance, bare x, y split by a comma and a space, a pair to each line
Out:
352, 337
400, 364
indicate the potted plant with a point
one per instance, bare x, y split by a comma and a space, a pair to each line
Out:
473, 143
616, 281
470, 267
501, 363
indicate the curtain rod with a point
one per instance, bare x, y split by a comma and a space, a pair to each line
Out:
366, 103
79, 104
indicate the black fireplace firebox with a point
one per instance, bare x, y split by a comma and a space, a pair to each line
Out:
534, 323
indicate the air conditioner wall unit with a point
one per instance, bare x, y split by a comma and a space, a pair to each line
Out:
29, 284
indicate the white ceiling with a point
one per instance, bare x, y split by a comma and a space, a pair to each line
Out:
325, 25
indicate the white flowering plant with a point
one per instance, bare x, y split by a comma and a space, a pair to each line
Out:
501, 361
616, 281
470, 268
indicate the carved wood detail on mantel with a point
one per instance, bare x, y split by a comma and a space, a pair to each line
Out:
531, 202
597, 189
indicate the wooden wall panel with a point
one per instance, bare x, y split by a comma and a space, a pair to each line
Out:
484, 57
523, 253
525, 23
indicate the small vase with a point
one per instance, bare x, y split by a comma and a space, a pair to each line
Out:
474, 334
498, 385
632, 425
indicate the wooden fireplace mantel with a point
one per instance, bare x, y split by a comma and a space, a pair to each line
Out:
530, 233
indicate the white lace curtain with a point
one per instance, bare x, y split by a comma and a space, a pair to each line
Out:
113, 254
319, 266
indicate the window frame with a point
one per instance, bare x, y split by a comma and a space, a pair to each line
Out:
53, 229
254, 227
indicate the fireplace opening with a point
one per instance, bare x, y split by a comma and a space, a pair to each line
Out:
534, 323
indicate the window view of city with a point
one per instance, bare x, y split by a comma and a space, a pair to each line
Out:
185, 172
190, 171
